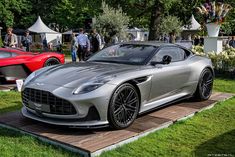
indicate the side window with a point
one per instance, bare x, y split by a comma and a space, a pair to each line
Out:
13, 54
5, 54
176, 53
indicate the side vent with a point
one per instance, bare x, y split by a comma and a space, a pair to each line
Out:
141, 79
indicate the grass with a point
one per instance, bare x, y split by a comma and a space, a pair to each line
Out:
224, 85
10, 101
208, 133
15, 144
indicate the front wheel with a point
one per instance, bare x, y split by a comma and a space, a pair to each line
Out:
205, 84
123, 107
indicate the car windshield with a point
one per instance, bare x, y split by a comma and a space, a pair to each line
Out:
125, 54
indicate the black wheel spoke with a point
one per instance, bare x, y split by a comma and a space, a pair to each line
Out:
121, 98
132, 101
209, 82
130, 108
129, 96
118, 103
118, 110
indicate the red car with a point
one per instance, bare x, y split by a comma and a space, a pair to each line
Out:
18, 64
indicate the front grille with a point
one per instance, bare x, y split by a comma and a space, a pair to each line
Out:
53, 104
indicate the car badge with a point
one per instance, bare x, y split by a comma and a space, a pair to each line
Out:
38, 105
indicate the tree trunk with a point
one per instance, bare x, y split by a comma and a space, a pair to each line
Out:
156, 13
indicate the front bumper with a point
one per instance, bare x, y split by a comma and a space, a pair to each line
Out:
98, 99
63, 122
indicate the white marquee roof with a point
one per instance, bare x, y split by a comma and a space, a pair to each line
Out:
193, 26
40, 27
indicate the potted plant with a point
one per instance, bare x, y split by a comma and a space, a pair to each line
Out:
214, 15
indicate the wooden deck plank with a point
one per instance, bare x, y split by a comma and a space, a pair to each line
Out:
173, 112
106, 138
146, 123
221, 96
197, 105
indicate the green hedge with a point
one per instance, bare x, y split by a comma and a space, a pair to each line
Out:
224, 61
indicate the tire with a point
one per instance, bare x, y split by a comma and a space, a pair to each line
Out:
205, 84
51, 61
123, 107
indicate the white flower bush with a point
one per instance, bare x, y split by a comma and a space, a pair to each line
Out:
224, 61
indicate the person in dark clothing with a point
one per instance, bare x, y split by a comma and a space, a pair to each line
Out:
196, 40
95, 41
45, 44
232, 42
26, 41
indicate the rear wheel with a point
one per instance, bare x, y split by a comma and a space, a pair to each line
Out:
205, 84
124, 106
51, 61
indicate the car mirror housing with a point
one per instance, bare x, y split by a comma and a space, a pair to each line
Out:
165, 60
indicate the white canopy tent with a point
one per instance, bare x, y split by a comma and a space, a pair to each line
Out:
51, 35
191, 29
193, 26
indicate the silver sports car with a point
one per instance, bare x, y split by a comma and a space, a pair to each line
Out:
116, 84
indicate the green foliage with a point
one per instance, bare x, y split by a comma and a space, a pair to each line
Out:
112, 21
170, 24
1, 44
224, 61
10, 9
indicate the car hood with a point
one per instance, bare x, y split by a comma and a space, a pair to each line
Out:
74, 74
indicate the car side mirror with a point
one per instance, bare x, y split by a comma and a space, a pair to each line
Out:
166, 59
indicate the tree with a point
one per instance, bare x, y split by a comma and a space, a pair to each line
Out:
9, 10
112, 22
64, 15
170, 24
159, 8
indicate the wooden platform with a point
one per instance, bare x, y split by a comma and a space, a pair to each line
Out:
93, 142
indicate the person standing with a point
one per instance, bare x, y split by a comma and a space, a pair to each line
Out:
95, 41
232, 42
26, 41
10, 39
74, 48
83, 45
172, 37
45, 44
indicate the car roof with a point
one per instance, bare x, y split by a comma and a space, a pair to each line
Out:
152, 43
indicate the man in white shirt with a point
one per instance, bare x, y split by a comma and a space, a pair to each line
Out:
83, 45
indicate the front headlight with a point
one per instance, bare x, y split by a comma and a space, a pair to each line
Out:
93, 84
29, 78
